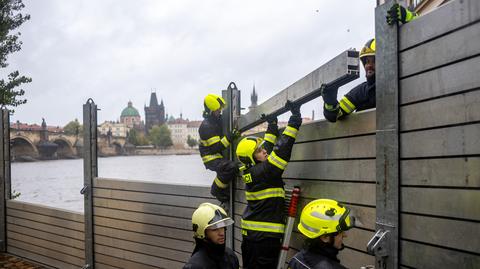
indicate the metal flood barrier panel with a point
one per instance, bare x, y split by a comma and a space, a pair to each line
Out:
439, 99
49, 236
335, 161
144, 225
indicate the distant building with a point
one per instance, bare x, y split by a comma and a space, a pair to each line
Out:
130, 116
118, 129
181, 128
155, 113
18, 126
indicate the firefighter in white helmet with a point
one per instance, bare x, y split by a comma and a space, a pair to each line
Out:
209, 223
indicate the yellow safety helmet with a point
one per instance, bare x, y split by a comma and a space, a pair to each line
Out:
209, 216
213, 102
247, 147
324, 216
368, 49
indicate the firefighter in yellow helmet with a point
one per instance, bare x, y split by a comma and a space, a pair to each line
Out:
213, 142
324, 223
263, 219
359, 98
209, 222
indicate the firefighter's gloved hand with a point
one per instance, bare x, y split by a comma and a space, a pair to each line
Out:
398, 13
293, 107
270, 119
329, 95
234, 134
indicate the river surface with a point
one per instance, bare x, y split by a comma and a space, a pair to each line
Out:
58, 183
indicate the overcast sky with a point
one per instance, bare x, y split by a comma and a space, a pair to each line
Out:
116, 51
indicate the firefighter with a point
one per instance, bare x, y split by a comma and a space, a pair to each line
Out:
209, 223
212, 143
363, 95
359, 98
263, 221
324, 223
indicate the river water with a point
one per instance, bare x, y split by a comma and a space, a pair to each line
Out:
58, 183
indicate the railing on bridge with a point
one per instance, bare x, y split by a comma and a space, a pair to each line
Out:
426, 195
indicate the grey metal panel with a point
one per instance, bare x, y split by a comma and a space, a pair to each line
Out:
448, 79
47, 253
443, 19
352, 170
146, 238
167, 210
79, 235
449, 233
47, 244
357, 193
45, 210
5, 184
47, 236
133, 257
144, 228
460, 203
455, 172
52, 263
121, 263
104, 266
355, 259
458, 140
46, 219
154, 251
450, 110
144, 218
355, 124
352, 147
416, 255
335, 73
145, 186
165, 199
455, 46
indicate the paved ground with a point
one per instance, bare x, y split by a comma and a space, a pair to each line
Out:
11, 262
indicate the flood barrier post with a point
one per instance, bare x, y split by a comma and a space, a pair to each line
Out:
90, 171
5, 181
386, 249
230, 118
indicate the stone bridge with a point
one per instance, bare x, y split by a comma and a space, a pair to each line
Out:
30, 145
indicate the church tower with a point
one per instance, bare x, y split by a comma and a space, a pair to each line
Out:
253, 99
155, 113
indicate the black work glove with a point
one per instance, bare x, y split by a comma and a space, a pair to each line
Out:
293, 107
296, 118
329, 95
272, 123
270, 119
234, 134
398, 13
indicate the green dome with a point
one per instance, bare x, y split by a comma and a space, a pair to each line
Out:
130, 111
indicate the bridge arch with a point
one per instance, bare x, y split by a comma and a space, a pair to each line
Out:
118, 148
65, 148
22, 147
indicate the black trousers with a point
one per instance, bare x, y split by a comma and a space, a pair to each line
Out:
261, 254
226, 171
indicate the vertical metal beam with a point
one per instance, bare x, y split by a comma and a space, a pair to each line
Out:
5, 181
230, 118
387, 139
90, 171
